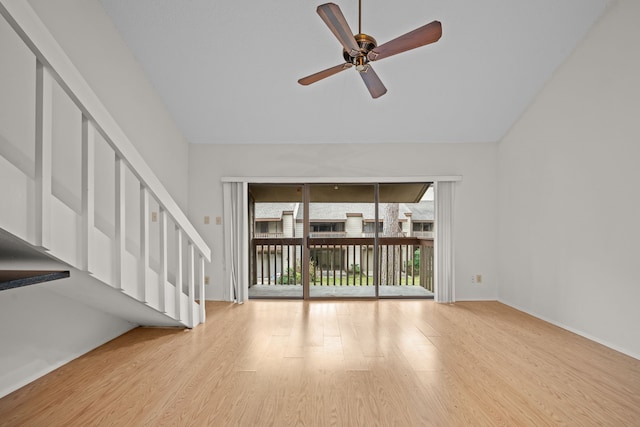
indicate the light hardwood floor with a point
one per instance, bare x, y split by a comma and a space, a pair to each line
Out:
346, 363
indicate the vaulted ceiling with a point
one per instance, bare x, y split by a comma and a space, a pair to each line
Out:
228, 70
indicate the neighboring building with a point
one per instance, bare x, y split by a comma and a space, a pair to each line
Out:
340, 219
332, 221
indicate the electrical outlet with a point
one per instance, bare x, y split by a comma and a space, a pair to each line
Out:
206, 280
218, 220
478, 278
207, 220
154, 216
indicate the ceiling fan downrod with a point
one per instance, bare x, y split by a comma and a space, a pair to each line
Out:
359, 16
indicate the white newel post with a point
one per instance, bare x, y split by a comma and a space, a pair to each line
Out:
203, 311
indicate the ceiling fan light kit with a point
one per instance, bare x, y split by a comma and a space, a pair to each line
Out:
360, 49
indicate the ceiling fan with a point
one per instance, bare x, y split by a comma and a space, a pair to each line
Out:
361, 49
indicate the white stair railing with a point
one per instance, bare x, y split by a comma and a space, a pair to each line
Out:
178, 253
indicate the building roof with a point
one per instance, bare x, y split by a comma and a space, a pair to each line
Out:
422, 211
272, 211
338, 211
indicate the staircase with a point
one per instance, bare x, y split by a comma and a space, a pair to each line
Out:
128, 247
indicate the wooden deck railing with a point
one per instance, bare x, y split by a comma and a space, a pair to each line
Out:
328, 234
423, 234
276, 235
402, 261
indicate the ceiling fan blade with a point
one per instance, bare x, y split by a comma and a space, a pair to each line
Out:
335, 20
324, 74
373, 82
424, 35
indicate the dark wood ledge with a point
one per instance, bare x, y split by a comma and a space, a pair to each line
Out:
10, 279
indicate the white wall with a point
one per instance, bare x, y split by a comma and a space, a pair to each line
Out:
569, 204
476, 197
94, 46
41, 331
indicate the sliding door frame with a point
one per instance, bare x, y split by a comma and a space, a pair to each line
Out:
305, 183
345, 180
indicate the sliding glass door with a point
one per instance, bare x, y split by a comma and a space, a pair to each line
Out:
341, 240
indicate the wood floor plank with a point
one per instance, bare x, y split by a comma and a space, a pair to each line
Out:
340, 363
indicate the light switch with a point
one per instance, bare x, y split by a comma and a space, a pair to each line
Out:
207, 220
154, 216
218, 220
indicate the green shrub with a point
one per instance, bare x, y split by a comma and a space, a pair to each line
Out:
290, 278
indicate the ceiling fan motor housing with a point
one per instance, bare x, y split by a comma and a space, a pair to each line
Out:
366, 43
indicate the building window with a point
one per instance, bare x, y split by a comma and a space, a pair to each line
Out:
268, 227
369, 227
326, 227
423, 226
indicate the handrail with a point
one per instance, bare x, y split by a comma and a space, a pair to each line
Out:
365, 241
276, 235
26, 23
328, 234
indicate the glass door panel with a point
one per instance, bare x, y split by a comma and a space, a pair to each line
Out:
405, 241
276, 218
341, 240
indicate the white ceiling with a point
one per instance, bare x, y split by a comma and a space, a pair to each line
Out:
228, 70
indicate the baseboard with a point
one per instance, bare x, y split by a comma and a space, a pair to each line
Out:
574, 330
38, 374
